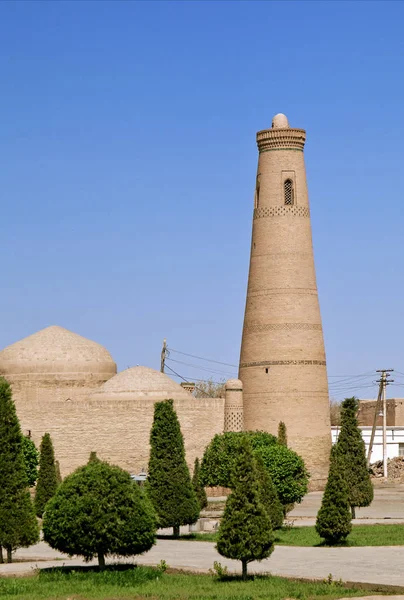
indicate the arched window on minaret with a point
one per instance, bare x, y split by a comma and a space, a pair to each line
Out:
289, 192
257, 192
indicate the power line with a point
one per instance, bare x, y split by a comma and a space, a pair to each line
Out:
218, 362
201, 368
187, 381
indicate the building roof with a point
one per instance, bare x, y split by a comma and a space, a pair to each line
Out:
143, 382
56, 350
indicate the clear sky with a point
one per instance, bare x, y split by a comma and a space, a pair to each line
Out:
128, 161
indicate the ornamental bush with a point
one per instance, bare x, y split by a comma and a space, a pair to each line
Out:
18, 524
169, 484
47, 478
198, 487
282, 435
99, 511
286, 468
334, 517
268, 494
31, 459
245, 531
351, 446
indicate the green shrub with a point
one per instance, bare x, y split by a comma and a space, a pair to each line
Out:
18, 525
47, 478
31, 459
268, 494
198, 487
286, 468
282, 435
245, 531
169, 483
351, 447
98, 511
334, 517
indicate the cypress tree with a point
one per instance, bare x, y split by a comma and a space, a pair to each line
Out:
198, 487
352, 449
31, 459
334, 517
93, 457
59, 478
245, 531
18, 525
268, 494
47, 478
169, 483
282, 435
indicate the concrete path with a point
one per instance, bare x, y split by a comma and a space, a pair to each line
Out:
388, 504
378, 565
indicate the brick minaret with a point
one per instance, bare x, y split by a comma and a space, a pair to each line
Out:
282, 362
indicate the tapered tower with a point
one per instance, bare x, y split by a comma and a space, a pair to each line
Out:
282, 362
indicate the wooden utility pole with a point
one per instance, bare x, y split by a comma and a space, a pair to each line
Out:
381, 403
163, 356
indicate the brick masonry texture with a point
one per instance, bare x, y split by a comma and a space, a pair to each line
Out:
282, 362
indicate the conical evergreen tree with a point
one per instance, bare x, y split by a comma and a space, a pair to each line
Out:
47, 479
198, 487
18, 525
169, 483
334, 517
245, 531
268, 494
352, 449
59, 478
282, 435
31, 458
93, 457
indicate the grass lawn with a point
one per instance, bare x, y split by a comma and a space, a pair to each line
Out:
143, 582
362, 535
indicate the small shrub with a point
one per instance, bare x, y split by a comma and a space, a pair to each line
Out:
98, 511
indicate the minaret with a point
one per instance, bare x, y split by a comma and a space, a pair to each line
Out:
282, 362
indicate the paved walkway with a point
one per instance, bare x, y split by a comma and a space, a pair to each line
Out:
371, 565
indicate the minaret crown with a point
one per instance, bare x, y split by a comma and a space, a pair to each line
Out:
280, 121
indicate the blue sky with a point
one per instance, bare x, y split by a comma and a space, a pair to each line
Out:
128, 160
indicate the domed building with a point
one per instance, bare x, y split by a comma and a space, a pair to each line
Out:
67, 385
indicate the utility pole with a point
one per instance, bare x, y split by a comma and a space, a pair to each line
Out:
163, 356
384, 382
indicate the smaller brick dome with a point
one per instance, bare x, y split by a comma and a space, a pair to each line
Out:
140, 383
234, 384
56, 350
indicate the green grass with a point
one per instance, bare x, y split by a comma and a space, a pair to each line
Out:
143, 582
362, 535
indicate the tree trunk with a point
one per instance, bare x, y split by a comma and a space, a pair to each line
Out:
244, 563
353, 512
1, 556
9, 554
101, 561
176, 531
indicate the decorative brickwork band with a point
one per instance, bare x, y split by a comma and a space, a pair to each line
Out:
269, 363
281, 139
258, 327
281, 211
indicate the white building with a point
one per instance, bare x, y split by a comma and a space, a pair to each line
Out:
395, 441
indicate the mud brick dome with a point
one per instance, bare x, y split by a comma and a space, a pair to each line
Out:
282, 362
141, 383
56, 350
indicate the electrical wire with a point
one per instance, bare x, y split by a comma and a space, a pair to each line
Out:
187, 381
218, 362
202, 368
